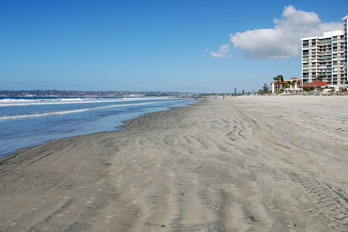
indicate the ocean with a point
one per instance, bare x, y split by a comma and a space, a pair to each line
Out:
29, 121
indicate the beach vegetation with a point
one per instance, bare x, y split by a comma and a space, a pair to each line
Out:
309, 89
285, 85
279, 80
265, 90
293, 83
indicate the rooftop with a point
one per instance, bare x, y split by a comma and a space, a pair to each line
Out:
326, 34
316, 84
333, 33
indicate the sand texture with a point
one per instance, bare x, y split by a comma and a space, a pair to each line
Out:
236, 164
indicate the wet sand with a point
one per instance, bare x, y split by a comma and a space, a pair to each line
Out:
236, 164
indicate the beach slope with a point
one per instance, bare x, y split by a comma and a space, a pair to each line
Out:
235, 164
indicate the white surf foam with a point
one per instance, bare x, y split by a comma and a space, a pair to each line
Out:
59, 101
14, 117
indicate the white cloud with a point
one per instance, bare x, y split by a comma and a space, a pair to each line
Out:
223, 52
283, 40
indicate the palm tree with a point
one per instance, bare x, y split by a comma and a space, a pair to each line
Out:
278, 79
293, 83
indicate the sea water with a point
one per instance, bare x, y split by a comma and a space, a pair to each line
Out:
29, 121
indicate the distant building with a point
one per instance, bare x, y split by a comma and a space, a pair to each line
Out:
294, 85
325, 58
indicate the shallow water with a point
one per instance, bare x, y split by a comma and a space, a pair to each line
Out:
32, 121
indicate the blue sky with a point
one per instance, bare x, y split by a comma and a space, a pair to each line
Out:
163, 45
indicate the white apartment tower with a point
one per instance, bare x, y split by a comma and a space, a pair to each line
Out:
345, 20
325, 58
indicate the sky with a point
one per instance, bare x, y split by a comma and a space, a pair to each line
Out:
157, 45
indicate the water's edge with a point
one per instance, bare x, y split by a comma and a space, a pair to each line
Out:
123, 126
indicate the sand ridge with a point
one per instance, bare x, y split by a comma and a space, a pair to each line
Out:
235, 164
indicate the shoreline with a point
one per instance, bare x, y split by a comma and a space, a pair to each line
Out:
116, 128
234, 164
18, 154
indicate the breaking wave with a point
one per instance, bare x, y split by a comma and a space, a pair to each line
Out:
14, 117
60, 101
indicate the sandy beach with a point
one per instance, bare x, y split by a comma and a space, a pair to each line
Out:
235, 164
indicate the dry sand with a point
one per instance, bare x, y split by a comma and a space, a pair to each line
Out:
239, 164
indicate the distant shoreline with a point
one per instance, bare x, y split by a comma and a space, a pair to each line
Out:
77, 93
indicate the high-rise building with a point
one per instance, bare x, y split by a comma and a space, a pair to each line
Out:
325, 58
345, 19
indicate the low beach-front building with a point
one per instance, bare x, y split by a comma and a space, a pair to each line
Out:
316, 85
292, 86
